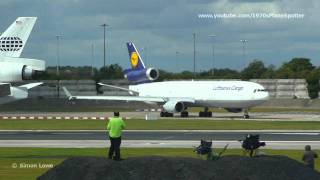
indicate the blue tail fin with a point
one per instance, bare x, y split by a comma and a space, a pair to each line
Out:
138, 72
135, 59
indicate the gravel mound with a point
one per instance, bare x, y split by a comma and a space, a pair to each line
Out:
167, 168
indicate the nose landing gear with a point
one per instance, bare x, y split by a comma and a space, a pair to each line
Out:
246, 114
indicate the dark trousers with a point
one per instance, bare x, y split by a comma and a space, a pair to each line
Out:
311, 165
115, 148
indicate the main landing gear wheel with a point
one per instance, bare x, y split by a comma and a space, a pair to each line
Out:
184, 114
246, 114
205, 113
166, 114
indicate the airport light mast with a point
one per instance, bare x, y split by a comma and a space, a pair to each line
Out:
58, 65
92, 59
212, 36
244, 41
104, 44
194, 55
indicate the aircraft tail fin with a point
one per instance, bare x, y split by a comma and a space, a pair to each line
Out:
13, 40
138, 73
135, 58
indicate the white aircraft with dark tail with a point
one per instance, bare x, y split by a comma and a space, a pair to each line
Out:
177, 96
12, 67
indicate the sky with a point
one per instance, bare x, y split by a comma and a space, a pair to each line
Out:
276, 31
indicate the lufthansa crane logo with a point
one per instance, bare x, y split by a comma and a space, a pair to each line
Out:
10, 43
134, 59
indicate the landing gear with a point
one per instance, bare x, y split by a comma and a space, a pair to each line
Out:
246, 114
166, 114
205, 113
184, 114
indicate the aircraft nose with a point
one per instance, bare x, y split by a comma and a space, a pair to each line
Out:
262, 96
265, 96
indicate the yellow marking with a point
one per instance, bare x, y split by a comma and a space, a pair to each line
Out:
134, 59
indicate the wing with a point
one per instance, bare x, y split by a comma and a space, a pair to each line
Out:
160, 100
115, 98
120, 88
121, 98
31, 85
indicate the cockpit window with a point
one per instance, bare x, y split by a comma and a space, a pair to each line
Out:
260, 90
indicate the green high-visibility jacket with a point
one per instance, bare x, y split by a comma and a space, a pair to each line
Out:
115, 127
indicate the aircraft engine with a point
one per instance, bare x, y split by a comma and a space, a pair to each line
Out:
173, 106
27, 72
142, 75
152, 74
15, 72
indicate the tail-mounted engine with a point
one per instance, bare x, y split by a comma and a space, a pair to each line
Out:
143, 75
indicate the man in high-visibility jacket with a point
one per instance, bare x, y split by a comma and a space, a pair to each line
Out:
115, 127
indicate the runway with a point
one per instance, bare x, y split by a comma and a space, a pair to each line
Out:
161, 135
156, 139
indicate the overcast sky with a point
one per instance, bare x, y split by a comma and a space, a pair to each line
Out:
161, 28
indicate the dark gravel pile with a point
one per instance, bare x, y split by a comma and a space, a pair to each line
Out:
166, 168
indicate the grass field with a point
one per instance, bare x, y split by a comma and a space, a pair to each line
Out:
163, 124
13, 161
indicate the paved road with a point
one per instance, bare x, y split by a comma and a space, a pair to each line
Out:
159, 135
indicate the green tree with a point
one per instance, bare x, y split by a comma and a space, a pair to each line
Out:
226, 74
255, 70
296, 68
270, 73
114, 71
313, 83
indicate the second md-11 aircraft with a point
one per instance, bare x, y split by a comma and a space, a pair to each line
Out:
177, 96
13, 68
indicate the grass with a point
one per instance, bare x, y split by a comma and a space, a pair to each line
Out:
163, 124
53, 156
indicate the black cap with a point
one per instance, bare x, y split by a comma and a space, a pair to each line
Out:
117, 114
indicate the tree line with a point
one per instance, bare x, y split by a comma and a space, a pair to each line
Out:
297, 68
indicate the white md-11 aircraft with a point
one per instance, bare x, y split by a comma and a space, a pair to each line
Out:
177, 96
12, 67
